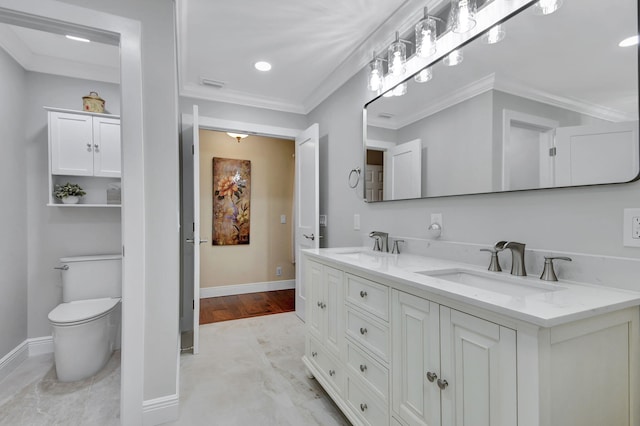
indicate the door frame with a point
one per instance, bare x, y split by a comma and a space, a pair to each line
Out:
224, 125
52, 16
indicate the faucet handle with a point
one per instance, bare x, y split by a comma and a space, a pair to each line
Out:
376, 244
495, 263
396, 247
548, 274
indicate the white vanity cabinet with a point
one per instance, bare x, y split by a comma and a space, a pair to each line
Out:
449, 367
84, 148
403, 355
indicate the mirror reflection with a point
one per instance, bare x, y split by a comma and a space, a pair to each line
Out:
553, 103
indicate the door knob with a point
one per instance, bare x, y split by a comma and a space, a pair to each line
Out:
309, 237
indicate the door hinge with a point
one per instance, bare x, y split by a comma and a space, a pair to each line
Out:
193, 305
193, 150
122, 251
552, 152
193, 227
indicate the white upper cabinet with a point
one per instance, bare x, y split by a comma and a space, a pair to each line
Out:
84, 145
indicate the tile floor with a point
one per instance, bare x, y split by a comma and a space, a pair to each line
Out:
248, 372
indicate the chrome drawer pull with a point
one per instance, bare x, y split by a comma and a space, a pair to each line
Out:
363, 331
363, 407
442, 384
363, 368
431, 376
332, 373
363, 293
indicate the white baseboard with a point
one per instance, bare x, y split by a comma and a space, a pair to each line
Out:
230, 290
30, 347
13, 359
40, 345
160, 410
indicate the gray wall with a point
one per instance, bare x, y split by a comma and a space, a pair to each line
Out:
161, 186
586, 220
54, 232
13, 223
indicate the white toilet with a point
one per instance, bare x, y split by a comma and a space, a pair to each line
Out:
86, 326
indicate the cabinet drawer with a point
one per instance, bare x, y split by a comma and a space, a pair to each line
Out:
331, 370
370, 296
368, 370
369, 409
369, 333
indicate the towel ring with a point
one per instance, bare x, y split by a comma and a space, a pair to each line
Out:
355, 171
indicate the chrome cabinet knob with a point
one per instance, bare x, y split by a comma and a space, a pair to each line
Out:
363, 407
363, 368
442, 384
96, 147
431, 376
363, 294
88, 147
363, 331
332, 373
319, 304
314, 354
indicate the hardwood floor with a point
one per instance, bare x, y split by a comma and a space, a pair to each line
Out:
225, 308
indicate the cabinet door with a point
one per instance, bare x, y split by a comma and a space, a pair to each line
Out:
478, 360
334, 308
416, 352
71, 144
315, 298
106, 147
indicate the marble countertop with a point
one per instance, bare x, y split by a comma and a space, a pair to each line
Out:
556, 303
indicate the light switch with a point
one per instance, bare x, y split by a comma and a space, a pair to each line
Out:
283, 218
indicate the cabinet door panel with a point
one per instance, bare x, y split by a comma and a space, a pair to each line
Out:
106, 143
334, 309
479, 363
314, 309
416, 352
71, 144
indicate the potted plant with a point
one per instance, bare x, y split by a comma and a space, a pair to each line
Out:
69, 193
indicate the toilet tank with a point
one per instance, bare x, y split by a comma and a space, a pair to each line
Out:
91, 277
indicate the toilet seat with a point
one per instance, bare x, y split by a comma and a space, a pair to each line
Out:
81, 311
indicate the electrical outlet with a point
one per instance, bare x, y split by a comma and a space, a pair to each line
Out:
631, 228
278, 271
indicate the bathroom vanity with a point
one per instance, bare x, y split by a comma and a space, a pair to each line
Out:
413, 340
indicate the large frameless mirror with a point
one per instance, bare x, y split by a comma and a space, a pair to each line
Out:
554, 103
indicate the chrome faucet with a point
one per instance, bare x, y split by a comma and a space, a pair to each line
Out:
517, 256
381, 241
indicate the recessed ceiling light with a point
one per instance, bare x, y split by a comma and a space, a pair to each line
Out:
262, 66
84, 40
629, 41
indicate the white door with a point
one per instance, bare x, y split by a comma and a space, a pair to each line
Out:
374, 183
71, 140
307, 209
403, 171
478, 361
106, 147
587, 155
416, 359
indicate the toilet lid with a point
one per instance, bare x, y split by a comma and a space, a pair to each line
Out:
81, 310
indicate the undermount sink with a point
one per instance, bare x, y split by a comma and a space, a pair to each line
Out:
507, 285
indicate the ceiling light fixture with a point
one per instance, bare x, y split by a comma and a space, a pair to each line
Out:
629, 41
546, 7
453, 58
262, 66
76, 38
237, 136
397, 57
426, 34
424, 75
495, 35
462, 16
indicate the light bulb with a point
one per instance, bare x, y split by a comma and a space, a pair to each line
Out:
462, 16
397, 57
494, 35
426, 37
400, 89
546, 7
453, 58
424, 75
375, 75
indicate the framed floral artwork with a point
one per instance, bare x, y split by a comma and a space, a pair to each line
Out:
231, 201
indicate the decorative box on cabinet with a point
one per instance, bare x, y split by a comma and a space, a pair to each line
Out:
84, 148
